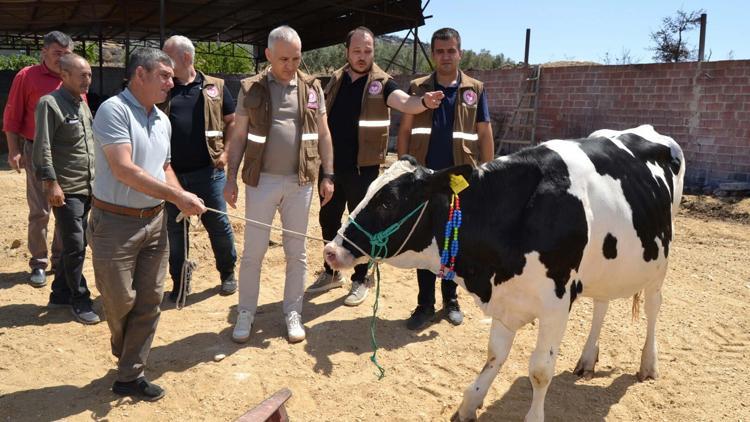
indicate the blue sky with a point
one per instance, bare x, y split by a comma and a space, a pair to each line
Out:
585, 30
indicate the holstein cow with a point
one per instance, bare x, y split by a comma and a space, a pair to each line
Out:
567, 218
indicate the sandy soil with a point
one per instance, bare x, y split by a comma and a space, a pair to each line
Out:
53, 368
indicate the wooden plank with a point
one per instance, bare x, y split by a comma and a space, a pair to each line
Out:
270, 410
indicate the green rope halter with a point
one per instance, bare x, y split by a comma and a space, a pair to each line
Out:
378, 251
379, 240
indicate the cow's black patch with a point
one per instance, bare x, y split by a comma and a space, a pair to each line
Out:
576, 287
649, 197
610, 246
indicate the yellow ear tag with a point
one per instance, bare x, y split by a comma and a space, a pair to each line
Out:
458, 183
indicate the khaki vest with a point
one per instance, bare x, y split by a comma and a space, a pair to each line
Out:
212, 90
257, 102
465, 138
374, 117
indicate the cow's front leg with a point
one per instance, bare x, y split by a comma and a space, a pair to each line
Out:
501, 338
649, 361
542, 362
590, 354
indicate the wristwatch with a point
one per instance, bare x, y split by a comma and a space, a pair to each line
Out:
329, 176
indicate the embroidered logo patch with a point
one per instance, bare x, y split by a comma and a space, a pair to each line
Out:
312, 99
375, 88
211, 90
470, 97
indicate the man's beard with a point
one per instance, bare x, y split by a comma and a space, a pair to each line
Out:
366, 71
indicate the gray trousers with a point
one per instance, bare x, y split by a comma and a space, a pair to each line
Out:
293, 202
39, 210
130, 261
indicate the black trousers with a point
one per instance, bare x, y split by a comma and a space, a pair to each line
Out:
426, 296
349, 190
70, 221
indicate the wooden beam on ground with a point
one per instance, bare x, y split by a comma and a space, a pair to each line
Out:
271, 410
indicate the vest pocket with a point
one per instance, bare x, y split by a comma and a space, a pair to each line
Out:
372, 150
468, 155
311, 163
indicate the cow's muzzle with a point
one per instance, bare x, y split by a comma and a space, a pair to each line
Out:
337, 256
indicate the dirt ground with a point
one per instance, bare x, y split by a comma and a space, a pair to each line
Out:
53, 368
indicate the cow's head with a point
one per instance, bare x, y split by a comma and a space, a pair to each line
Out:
391, 198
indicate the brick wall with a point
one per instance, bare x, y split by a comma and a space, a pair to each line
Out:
705, 107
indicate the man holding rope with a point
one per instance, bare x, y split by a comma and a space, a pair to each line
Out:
282, 131
128, 230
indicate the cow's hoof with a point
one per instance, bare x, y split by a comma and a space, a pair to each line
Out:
457, 418
644, 375
584, 372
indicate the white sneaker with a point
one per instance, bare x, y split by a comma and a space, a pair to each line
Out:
241, 332
294, 327
358, 293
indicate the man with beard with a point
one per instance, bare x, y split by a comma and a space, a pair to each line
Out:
458, 132
359, 96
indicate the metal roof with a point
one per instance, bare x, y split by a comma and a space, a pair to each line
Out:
318, 22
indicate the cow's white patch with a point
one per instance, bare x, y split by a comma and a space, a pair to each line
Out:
427, 259
397, 169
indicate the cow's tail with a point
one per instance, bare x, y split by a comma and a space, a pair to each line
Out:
637, 305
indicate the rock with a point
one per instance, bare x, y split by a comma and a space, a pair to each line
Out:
219, 357
15, 244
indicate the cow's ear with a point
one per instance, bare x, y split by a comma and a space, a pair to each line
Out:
440, 181
409, 159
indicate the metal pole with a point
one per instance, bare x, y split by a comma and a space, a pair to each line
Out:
101, 63
161, 23
414, 52
702, 43
526, 49
127, 34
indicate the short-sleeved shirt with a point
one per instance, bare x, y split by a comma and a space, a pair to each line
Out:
186, 114
64, 142
122, 120
281, 152
29, 85
343, 120
440, 151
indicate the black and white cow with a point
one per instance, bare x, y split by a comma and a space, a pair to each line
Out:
585, 217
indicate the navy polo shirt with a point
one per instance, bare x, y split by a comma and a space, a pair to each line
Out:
440, 150
343, 121
189, 150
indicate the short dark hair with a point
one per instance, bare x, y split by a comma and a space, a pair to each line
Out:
351, 33
68, 60
57, 37
148, 58
445, 34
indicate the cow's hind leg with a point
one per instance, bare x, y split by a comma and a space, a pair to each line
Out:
590, 354
542, 362
649, 364
501, 338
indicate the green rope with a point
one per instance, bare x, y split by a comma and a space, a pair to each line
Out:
373, 342
378, 250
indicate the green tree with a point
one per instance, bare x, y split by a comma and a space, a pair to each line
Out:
229, 58
91, 53
17, 61
670, 46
